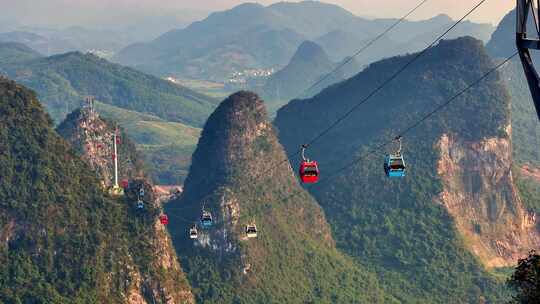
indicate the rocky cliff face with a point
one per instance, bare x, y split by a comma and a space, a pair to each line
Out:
479, 193
293, 259
92, 136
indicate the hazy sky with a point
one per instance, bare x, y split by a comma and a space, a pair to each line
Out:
491, 11
89, 12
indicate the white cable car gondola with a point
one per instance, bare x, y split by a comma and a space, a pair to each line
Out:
193, 233
251, 230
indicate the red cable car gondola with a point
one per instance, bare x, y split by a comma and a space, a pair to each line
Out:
124, 184
309, 170
164, 219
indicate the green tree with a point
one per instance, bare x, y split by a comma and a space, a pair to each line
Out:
526, 280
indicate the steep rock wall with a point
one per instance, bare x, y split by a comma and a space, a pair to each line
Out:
480, 194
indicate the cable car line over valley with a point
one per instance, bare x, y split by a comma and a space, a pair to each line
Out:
309, 143
377, 150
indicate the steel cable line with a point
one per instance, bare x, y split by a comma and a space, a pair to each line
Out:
378, 89
361, 50
393, 77
384, 144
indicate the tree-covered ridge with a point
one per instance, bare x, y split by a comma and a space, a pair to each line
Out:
62, 81
63, 241
399, 227
12, 52
293, 259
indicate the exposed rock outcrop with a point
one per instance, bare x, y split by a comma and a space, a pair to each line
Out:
480, 194
92, 136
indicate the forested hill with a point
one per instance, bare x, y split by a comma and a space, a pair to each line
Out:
293, 259
309, 64
431, 234
62, 239
62, 82
12, 52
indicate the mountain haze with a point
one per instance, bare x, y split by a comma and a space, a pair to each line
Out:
13, 52
199, 50
308, 65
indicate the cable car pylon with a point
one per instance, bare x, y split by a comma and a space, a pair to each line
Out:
116, 190
524, 43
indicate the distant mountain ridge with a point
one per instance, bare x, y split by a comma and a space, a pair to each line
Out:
197, 50
14, 52
308, 65
309, 72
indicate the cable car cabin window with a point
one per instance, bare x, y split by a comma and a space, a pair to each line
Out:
397, 164
311, 171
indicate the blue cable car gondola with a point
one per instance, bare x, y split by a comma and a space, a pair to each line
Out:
140, 204
206, 219
394, 164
